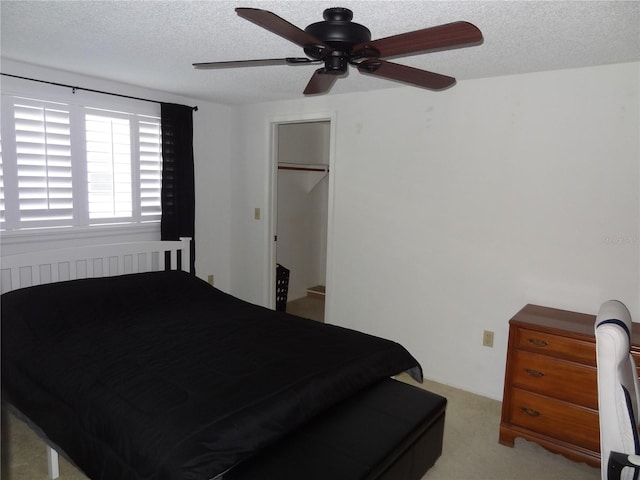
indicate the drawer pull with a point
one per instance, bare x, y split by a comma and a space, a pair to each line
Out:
534, 373
530, 412
538, 343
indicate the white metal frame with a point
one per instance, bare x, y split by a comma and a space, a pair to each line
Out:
93, 261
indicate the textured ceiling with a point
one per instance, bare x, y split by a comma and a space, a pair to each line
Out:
153, 43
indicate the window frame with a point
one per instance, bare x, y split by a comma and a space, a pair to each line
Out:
80, 103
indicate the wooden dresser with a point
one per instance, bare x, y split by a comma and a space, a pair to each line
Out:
550, 386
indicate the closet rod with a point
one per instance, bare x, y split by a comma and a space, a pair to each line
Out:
303, 169
74, 88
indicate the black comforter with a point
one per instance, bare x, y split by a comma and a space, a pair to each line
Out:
161, 376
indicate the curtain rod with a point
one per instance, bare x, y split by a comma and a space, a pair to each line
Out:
74, 88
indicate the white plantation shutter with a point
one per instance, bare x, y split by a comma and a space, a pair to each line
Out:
74, 165
109, 166
43, 158
150, 145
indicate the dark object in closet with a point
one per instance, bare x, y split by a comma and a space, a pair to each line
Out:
282, 288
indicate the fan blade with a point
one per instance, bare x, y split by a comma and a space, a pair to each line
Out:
406, 74
442, 37
320, 82
280, 26
255, 63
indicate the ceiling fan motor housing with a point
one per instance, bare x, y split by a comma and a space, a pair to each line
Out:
341, 34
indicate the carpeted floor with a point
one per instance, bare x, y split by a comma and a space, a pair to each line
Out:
471, 448
307, 307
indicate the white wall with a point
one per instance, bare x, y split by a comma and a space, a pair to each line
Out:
212, 141
302, 220
213, 137
303, 142
452, 210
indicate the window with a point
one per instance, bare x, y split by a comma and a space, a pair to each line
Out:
74, 165
108, 166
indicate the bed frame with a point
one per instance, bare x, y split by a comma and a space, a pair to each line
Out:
92, 261
340, 444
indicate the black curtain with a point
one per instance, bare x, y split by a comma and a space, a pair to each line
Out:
178, 191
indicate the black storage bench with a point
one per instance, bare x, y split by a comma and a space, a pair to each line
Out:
391, 431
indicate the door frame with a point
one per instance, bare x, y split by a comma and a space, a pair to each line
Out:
273, 199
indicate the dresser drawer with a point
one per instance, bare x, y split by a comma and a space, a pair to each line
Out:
569, 381
557, 346
560, 420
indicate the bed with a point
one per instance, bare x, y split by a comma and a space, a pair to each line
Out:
133, 368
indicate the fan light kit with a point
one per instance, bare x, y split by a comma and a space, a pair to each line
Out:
338, 42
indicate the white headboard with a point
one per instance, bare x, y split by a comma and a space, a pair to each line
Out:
47, 266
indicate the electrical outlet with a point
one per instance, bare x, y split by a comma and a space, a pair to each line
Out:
487, 338
210, 279
256, 213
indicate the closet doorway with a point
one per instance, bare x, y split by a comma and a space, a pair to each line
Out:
302, 210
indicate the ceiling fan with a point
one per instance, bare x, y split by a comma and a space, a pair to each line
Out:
338, 42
